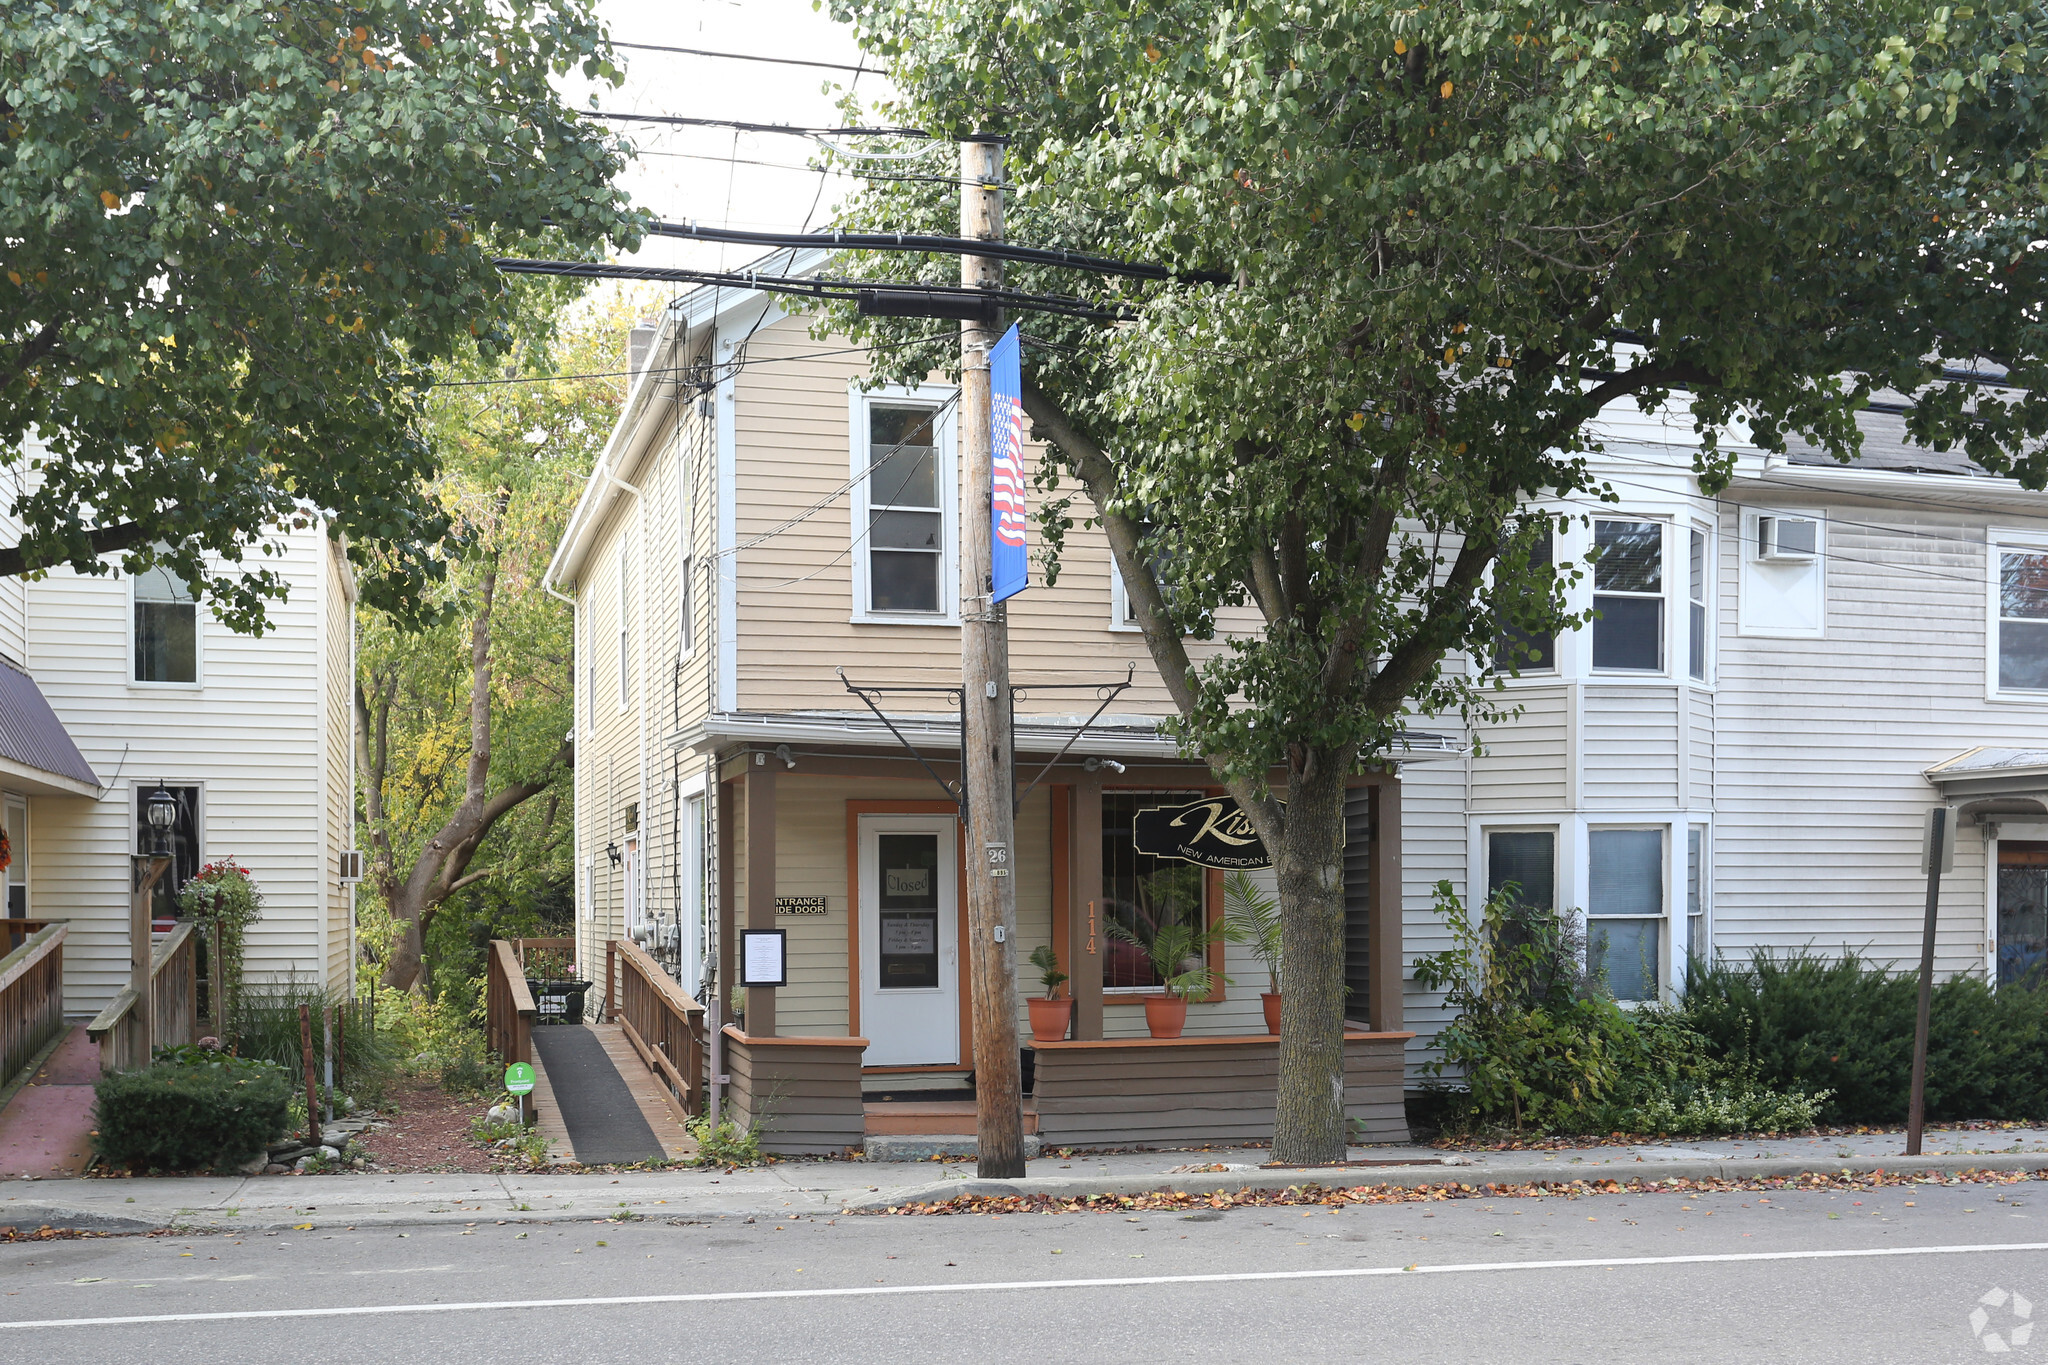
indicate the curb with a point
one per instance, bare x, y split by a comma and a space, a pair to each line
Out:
1477, 1173
33, 1216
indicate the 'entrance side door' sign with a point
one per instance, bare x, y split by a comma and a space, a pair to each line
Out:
1211, 832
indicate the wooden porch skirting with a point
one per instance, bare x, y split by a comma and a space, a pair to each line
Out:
804, 1092
1158, 1091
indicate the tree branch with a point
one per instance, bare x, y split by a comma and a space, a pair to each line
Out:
102, 540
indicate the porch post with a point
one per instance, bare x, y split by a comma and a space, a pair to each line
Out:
1383, 913
728, 944
1084, 929
761, 886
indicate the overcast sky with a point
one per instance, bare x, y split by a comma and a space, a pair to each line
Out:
716, 176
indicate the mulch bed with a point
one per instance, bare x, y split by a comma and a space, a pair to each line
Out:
427, 1132
1170, 1200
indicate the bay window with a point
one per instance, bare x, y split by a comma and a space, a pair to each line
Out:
1625, 909
1628, 596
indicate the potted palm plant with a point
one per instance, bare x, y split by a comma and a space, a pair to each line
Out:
1255, 918
1051, 1014
1180, 958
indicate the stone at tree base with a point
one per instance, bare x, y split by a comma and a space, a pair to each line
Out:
255, 1164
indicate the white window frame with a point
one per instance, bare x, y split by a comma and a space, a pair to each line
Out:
1483, 666
1559, 854
1999, 540
1666, 643
1706, 586
1705, 914
686, 596
947, 435
1670, 875
625, 641
1120, 618
199, 615
1749, 566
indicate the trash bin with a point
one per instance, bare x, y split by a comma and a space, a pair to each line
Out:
558, 1002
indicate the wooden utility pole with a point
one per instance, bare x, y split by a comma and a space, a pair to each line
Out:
985, 674
1937, 856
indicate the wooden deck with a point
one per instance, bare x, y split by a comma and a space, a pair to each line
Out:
661, 1110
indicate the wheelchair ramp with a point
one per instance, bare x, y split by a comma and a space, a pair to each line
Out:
607, 1105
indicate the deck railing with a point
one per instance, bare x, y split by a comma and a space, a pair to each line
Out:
31, 993
508, 1005
658, 1017
127, 1035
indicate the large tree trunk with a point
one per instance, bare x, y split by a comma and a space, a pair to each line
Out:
1308, 1124
413, 895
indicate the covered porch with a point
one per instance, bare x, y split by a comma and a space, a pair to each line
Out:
847, 851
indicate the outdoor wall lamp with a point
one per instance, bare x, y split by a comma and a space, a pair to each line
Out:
615, 853
161, 811
782, 752
1096, 765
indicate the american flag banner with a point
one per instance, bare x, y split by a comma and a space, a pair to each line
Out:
1009, 568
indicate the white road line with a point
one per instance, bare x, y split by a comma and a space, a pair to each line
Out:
986, 1286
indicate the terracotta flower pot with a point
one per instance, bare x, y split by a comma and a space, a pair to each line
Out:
1165, 1015
1269, 1001
1050, 1018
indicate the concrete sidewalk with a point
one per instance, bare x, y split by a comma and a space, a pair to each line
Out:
810, 1188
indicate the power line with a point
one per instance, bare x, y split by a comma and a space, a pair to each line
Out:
957, 298
793, 130
743, 57
939, 245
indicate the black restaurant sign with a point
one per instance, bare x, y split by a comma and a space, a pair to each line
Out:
1211, 832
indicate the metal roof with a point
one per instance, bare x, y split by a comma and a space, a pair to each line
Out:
31, 734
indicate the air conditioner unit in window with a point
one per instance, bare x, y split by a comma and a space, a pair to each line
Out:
351, 865
1787, 540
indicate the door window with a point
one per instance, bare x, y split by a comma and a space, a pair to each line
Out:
908, 901
2022, 913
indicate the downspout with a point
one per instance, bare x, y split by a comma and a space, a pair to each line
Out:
353, 739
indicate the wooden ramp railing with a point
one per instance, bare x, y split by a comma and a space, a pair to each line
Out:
658, 1017
165, 1013
508, 1005
31, 992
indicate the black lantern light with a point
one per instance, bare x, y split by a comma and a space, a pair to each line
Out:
161, 811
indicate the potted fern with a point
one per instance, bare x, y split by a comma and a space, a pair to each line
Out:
1180, 959
1051, 1014
1254, 917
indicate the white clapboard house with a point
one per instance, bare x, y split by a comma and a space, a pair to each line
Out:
1737, 755
112, 686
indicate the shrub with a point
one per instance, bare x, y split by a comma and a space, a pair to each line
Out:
1847, 1026
181, 1114
725, 1143
1539, 1044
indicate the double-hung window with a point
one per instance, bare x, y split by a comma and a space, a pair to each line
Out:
1628, 596
2022, 625
166, 628
1696, 607
1625, 909
1698, 942
1522, 651
625, 617
1523, 863
906, 511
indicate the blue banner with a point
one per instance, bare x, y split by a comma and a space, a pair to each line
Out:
1009, 568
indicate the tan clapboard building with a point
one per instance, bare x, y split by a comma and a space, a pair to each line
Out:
761, 533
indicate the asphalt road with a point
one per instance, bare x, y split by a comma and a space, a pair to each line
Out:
1791, 1277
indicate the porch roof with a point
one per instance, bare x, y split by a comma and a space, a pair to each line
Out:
36, 752
1110, 736
1994, 780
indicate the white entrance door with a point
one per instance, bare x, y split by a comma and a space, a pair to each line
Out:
909, 940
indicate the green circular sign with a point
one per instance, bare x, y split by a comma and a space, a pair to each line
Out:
519, 1078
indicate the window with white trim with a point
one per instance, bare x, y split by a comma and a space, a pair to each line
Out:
1698, 943
1520, 651
2021, 627
625, 672
1523, 862
1698, 622
1628, 597
166, 638
906, 532
1625, 909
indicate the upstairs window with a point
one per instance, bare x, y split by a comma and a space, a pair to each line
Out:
166, 628
906, 513
1521, 651
1628, 596
2023, 620
1696, 609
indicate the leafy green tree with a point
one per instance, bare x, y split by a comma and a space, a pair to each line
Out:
1455, 233
235, 239
466, 769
